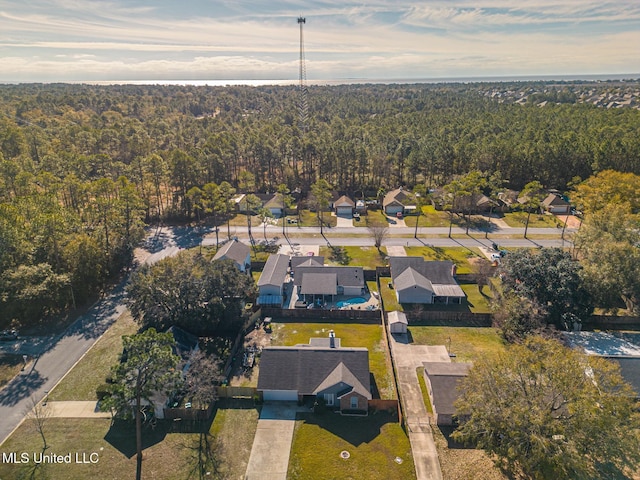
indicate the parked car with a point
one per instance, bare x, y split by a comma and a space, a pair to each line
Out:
399, 215
9, 334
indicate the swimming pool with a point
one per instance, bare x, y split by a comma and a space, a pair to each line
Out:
350, 301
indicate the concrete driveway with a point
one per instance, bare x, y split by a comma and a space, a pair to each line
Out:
407, 358
344, 221
269, 458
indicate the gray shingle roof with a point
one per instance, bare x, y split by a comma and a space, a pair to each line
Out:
437, 277
398, 195
305, 368
410, 278
306, 261
275, 270
444, 378
235, 250
346, 276
318, 283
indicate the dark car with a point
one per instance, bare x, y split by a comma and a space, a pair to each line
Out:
8, 335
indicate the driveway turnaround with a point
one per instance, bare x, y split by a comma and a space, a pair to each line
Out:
269, 458
407, 358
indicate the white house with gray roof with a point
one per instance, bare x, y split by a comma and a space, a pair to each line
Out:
271, 281
418, 281
237, 251
322, 281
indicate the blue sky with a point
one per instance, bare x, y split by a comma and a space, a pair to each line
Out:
88, 40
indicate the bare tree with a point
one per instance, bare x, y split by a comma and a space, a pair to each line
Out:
379, 234
39, 414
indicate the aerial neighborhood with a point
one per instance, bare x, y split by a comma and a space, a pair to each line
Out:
403, 289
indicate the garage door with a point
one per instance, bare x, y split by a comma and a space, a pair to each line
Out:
393, 209
280, 395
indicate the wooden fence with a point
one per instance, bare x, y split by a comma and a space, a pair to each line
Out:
190, 414
236, 392
285, 315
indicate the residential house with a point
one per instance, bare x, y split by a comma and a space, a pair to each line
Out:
319, 282
237, 251
397, 201
442, 380
321, 369
554, 203
418, 281
270, 201
344, 206
271, 281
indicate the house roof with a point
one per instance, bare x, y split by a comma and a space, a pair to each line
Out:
342, 375
306, 261
397, 317
554, 200
444, 378
409, 272
410, 278
235, 250
306, 368
316, 283
345, 276
275, 270
398, 196
344, 201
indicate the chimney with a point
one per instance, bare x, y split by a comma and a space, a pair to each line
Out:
332, 339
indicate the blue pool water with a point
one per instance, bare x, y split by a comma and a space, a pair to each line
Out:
351, 301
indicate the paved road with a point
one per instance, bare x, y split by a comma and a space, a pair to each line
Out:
55, 356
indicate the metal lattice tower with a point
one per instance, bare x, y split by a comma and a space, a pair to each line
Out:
303, 106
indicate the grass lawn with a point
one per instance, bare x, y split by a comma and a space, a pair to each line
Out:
10, 366
458, 255
81, 382
423, 389
367, 257
477, 302
467, 343
351, 335
310, 219
234, 427
430, 218
374, 443
373, 218
389, 296
240, 220
167, 456
519, 220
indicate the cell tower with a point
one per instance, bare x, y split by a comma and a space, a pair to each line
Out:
303, 106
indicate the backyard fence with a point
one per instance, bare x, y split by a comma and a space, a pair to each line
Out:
236, 392
317, 315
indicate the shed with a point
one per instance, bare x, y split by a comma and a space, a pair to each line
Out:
397, 322
442, 379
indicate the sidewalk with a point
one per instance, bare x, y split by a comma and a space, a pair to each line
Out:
74, 410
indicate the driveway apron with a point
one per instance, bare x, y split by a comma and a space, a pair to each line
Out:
269, 458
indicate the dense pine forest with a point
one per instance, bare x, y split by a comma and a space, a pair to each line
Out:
82, 168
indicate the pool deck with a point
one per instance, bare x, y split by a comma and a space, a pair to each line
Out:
369, 301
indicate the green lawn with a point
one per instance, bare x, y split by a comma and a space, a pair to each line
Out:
519, 220
367, 257
234, 426
240, 220
458, 255
378, 448
476, 301
373, 218
423, 390
310, 219
389, 295
166, 456
467, 343
430, 218
351, 335
81, 382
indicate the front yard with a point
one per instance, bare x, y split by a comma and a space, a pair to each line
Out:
458, 255
519, 220
351, 335
367, 257
377, 447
